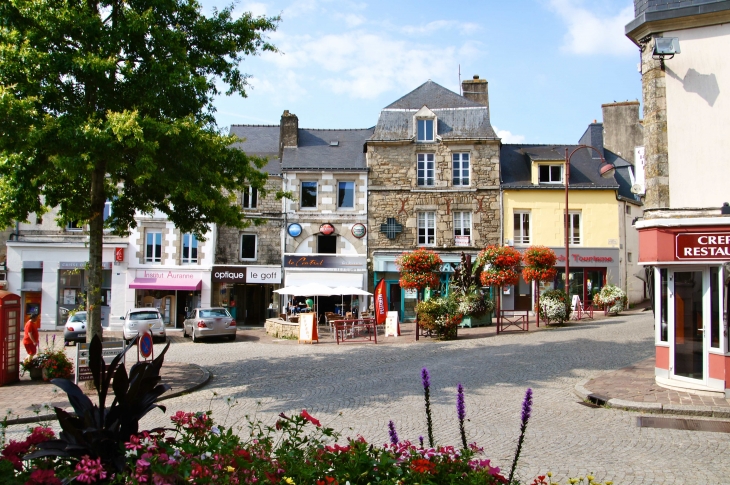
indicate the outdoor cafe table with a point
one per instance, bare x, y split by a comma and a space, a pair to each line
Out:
356, 330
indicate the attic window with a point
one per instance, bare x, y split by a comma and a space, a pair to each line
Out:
550, 174
425, 130
334, 143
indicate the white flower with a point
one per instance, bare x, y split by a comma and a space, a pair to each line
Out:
131, 453
215, 430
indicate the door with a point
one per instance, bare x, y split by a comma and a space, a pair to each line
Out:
523, 295
687, 323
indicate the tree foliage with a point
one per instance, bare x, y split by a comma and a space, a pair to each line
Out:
112, 100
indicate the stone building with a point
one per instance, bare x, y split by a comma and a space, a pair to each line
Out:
325, 238
684, 237
433, 181
248, 261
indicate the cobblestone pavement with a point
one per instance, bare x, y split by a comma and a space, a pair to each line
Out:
358, 388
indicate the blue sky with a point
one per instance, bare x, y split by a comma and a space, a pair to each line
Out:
550, 64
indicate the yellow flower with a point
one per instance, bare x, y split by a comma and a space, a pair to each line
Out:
288, 480
230, 469
572, 480
609, 482
549, 474
590, 478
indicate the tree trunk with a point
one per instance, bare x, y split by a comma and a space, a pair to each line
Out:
96, 246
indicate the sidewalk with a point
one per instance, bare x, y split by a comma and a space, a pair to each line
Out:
29, 401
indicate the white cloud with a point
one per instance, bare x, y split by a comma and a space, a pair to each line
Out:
365, 64
594, 33
431, 27
508, 137
257, 9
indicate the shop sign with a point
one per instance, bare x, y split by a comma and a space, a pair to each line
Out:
410, 294
228, 274
703, 245
461, 240
358, 230
167, 274
263, 274
326, 229
80, 265
325, 261
588, 257
294, 230
119, 254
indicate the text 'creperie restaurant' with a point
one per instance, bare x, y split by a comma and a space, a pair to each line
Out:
688, 266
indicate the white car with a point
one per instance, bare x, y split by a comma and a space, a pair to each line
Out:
138, 318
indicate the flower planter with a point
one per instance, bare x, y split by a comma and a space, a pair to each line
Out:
36, 373
480, 321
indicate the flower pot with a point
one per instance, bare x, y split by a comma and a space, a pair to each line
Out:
36, 374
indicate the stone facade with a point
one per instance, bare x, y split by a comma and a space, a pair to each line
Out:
394, 192
268, 233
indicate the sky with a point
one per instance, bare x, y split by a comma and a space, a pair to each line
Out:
550, 64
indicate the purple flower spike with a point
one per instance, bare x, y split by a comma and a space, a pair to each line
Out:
425, 378
460, 406
527, 406
393, 435
420, 440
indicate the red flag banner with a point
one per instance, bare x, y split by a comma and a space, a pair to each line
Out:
381, 302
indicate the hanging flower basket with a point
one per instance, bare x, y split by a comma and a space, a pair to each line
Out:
499, 277
501, 265
419, 269
539, 264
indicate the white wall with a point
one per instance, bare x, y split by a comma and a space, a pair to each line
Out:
697, 82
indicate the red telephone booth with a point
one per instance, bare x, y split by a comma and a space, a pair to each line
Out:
10, 324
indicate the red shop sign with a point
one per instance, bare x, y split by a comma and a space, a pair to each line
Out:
119, 254
326, 229
703, 245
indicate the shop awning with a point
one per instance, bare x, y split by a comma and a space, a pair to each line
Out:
188, 284
297, 278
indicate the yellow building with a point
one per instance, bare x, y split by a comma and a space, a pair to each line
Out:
533, 207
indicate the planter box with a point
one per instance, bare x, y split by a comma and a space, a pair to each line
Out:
483, 321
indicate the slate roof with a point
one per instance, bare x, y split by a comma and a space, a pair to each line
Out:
315, 152
262, 141
458, 117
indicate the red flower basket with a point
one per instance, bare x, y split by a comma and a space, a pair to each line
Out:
419, 269
501, 263
539, 264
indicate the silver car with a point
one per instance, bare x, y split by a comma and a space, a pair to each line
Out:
75, 328
209, 322
138, 318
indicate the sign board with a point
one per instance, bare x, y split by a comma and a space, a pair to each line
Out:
359, 230
329, 261
119, 254
410, 294
461, 240
392, 326
109, 350
145, 345
228, 274
703, 246
575, 303
307, 328
270, 275
294, 230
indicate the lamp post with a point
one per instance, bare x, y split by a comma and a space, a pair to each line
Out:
606, 170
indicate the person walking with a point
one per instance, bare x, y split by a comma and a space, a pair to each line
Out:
30, 334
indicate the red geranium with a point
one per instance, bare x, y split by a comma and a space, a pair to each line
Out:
310, 418
419, 269
422, 465
539, 264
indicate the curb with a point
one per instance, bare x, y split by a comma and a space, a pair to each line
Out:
52, 417
649, 407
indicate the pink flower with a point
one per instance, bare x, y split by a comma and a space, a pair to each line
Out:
43, 477
90, 470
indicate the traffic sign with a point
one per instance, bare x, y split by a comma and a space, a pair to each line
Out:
145, 344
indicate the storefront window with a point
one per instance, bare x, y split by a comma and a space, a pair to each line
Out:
663, 306
715, 308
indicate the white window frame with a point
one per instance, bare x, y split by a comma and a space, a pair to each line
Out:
423, 135
523, 239
249, 198
255, 250
575, 241
426, 222
459, 159
339, 206
425, 165
316, 195
151, 258
192, 242
550, 171
462, 224
74, 226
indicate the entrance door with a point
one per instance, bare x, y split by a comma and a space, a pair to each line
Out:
523, 297
687, 290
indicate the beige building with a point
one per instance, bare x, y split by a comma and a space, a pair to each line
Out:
433, 181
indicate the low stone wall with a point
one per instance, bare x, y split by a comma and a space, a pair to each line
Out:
279, 328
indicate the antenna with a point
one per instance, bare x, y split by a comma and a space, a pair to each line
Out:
460, 93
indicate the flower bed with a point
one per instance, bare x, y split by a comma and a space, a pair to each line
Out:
554, 306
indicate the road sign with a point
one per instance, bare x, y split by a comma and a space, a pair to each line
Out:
144, 344
109, 350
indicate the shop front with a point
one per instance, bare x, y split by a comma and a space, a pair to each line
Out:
174, 293
688, 261
247, 292
73, 284
590, 269
329, 270
401, 300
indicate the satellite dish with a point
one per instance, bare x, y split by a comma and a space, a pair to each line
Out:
637, 189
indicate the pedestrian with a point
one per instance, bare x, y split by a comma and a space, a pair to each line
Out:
30, 334
310, 304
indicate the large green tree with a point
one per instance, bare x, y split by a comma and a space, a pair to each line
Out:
112, 100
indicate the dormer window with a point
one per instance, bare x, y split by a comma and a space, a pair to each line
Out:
550, 174
425, 130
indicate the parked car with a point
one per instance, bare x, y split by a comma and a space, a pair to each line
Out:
209, 322
136, 318
75, 329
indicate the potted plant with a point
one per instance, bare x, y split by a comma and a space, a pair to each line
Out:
472, 302
612, 299
441, 316
539, 266
554, 306
48, 363
419, 269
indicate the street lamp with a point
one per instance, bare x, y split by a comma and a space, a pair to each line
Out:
606, 170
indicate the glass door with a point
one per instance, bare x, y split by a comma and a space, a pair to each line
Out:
687, 323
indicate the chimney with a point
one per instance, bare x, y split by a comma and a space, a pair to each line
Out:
622, 130
476, 90
288, 132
